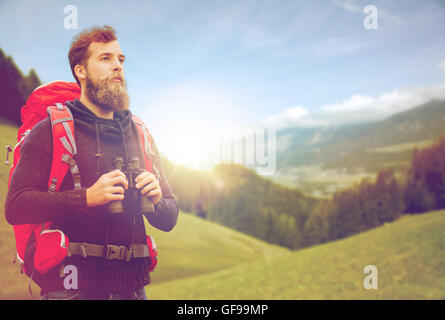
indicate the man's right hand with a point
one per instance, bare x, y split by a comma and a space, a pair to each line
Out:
107, 188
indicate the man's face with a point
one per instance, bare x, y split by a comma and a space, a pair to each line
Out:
105, 83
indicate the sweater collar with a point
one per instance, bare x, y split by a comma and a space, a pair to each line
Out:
108, 129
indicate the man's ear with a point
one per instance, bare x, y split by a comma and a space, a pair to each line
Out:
80, 71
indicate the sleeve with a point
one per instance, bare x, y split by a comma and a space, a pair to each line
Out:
166, 210
28, 200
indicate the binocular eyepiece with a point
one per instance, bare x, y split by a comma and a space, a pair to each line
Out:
131, 170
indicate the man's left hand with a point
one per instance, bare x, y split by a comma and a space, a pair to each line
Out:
149, 184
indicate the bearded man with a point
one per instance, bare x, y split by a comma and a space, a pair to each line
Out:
104, 131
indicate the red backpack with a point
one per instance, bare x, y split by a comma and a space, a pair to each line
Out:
39, 248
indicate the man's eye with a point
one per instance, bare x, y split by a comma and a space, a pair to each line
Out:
105, 58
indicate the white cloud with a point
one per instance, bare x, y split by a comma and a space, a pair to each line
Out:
355, 103
358, 108
286, 118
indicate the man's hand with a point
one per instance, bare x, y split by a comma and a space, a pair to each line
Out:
149, 184
107, 188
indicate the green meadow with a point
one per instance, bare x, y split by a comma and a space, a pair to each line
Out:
409, 255
13, 285
196, 247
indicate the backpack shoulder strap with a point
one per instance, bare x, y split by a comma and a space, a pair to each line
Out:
64, 147
146, 145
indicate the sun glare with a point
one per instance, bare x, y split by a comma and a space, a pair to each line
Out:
194, 117
192, 147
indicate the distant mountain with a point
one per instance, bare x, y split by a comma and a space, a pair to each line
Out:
319, 145
424, 122
355, 145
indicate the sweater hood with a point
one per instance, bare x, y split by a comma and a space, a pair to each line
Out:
112, 130
104, 129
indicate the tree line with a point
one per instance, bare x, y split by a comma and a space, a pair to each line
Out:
15, 88
370, 204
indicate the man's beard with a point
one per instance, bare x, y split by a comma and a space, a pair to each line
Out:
110, 97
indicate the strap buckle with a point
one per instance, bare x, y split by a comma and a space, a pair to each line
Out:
116, 252
129, 254
83, 247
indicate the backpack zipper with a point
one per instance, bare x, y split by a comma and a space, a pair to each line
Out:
62, 237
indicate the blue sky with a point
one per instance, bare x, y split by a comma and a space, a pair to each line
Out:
194, 67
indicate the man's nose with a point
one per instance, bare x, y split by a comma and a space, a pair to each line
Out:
117, 65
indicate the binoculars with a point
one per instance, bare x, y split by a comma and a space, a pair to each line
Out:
131, 170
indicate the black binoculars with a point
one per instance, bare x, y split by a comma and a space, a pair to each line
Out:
131, 170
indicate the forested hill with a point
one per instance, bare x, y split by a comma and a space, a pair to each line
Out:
239, 198
14, 88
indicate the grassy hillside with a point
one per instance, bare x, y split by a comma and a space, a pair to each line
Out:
196, 246
409, 255
12, 284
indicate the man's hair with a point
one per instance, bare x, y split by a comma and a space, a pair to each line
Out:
79, 53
